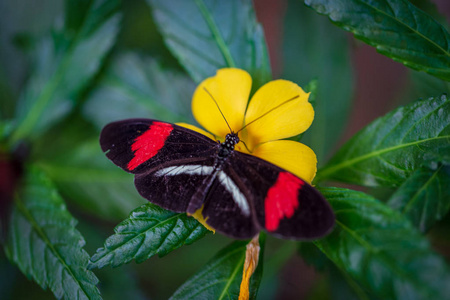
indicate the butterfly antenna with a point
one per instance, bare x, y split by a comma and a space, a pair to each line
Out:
246, 146
267, 112
218, 108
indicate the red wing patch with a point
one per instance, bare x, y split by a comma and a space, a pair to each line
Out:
149, 143
282, 199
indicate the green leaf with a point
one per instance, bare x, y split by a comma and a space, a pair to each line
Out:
221, 277
209, 35
391, 148
85, 176
396, 28
64, 64
431, 9
139, 87
315, 49
44, 243
149, 230
424, 197
380, 249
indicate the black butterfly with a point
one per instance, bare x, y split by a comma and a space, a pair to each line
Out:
182, 170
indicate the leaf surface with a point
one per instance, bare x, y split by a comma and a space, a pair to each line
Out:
44, 243
424, 197
391, 148
149, 230
380, 249
63, 65
209, 35
396, 28
135, 86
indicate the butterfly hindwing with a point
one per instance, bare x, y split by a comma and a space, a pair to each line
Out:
227, 207
284, 204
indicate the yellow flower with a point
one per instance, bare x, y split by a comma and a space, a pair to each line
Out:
278, 110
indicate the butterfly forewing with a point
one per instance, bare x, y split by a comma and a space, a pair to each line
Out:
143, 145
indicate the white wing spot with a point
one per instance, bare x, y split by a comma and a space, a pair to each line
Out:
224, 179
238, 197
186, 169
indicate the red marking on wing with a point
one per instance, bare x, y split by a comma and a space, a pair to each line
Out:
282, 199
149, 143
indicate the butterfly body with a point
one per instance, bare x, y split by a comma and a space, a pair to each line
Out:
239, 194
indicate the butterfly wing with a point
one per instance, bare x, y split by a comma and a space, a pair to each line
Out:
227, 207
280, 202
170, 161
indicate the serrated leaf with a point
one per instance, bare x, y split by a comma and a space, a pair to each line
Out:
148, 231
64, 63
391, 148
44, 243
209, 35
221, 277
424, 197
396, 28
138, 87
380, 249
315, 49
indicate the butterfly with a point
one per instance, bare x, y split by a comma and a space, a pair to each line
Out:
183, 171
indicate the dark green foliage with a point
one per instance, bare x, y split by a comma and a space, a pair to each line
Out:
88, 178
43, 241
138, 87
149, 230
380, 249
424, 197
389, 150
396, 28
209, 35
63, 64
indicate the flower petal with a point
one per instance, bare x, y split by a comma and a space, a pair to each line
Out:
231, 89
285, 116
199, 217
292, 156
195, 128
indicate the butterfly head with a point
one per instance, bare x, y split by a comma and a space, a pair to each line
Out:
231, 140
227, 147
